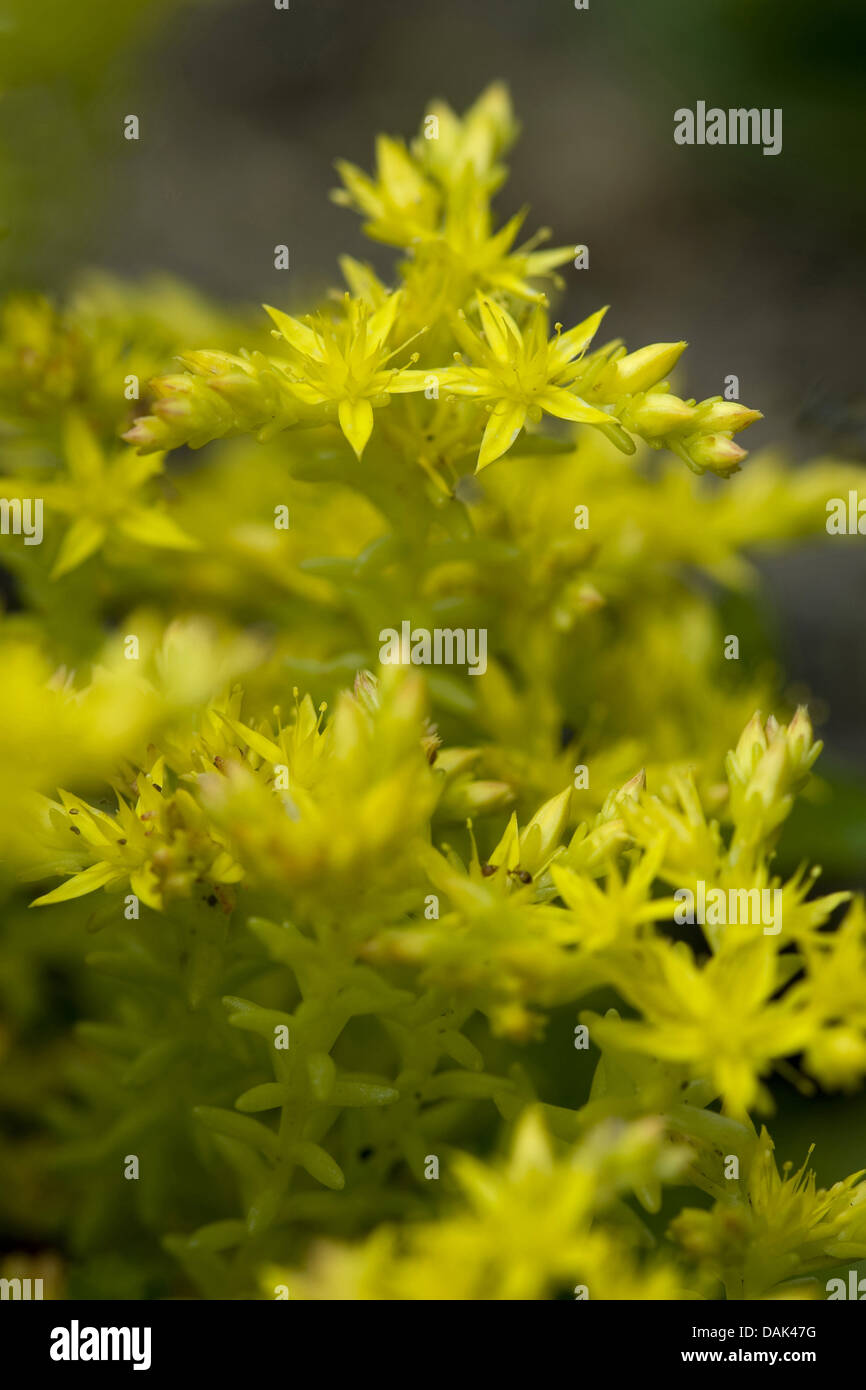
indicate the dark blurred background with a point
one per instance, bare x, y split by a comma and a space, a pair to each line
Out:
756, 260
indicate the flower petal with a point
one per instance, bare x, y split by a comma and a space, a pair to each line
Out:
83, 453
500, 330
356, 422
382, 321
152, 527
409, 379
505, 422
569, 344
296, 334
82, 540
565, 406
96, 876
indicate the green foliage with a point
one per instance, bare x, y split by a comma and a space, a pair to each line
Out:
299, 916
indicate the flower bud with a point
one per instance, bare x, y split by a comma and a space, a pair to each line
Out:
751, 746
205, 362
633, 787
454, 761
837, 1057
657, 413
802, 751
769, 781
715, 453
471, 799
640, 370
544, 832
366, 690
726, 415
587, 598
149, 434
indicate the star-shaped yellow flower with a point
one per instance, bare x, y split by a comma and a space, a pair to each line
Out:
521, 373
343, 362
102, 492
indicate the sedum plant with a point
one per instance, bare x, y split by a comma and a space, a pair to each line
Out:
376, 980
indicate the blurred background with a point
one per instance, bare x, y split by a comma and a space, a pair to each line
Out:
757, 261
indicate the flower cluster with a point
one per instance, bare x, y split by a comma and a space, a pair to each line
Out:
380, 973
342, 365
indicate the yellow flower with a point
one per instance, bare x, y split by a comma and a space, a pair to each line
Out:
343, 362
435, 201
450, 147
786, 1228
498, 937
401, 204
524, 1229
161, 844
769, 766
521, 373
721, 1020
471, 256
837, 976
103, 495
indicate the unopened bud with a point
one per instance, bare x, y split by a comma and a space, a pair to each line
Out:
658, 413
640, 370
726, 415
149, 434
715, 453
769, 780
453, 761
206, 362
476, 799
751, 746
799, 737
632, 789
588, 598
544, 832
366, 690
